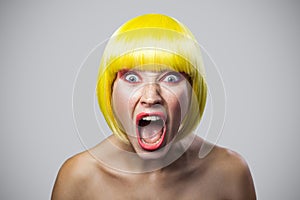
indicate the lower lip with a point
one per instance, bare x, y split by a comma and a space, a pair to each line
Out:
152, 146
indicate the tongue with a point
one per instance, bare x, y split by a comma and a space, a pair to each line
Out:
151, 133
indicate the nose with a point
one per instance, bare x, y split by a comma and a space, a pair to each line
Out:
151, 95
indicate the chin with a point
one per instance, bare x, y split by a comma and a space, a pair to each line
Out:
153, 155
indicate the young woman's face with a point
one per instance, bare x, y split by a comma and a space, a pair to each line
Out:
150, 106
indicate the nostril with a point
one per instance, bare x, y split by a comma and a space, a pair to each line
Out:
150, 101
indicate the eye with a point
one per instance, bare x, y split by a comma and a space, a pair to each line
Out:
131, 77
172, 77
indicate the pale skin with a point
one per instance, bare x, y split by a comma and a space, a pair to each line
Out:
222, 174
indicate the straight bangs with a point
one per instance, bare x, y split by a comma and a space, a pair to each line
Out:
151, 60
149, 46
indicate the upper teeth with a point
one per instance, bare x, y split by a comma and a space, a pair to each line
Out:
151, 118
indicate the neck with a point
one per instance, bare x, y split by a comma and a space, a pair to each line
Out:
121, 156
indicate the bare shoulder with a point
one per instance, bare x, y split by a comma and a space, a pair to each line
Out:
74, 176
233, 174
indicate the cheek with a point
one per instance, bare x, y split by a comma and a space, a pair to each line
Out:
120, 104
178, 100
123, 106
119, 99
184, 100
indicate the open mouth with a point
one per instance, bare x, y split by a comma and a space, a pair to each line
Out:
151, 130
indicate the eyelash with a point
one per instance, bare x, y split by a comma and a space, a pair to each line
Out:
127, 76
175, 76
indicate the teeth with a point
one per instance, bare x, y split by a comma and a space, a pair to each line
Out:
151, 118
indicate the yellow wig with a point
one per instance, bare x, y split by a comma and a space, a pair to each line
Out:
152, 40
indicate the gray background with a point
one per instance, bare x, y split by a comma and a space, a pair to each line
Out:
255, 44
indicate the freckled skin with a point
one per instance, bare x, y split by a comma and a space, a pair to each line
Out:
222, 174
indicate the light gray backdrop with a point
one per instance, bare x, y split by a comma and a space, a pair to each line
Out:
255, 44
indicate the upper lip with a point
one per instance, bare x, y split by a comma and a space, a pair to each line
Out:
146, 114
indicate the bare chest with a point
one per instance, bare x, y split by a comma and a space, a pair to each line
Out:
153, 188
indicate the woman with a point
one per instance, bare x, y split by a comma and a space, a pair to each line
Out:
152, 92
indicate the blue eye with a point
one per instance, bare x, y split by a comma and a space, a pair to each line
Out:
172, 78
131, 78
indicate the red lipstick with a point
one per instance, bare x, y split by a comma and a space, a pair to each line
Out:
151, 130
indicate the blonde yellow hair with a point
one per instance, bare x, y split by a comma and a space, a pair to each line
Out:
152, 40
